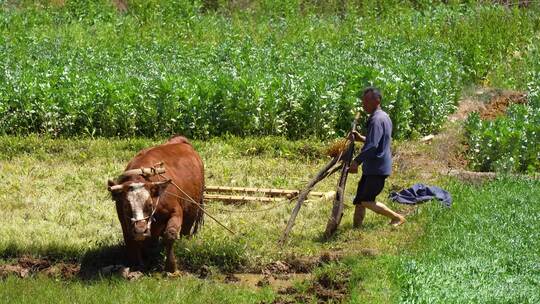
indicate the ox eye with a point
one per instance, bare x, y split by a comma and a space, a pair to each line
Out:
135, 186
148, 208
127, 208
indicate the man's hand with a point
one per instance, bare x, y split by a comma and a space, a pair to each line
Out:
354, 135
354, 167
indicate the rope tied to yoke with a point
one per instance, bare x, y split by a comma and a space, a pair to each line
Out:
158, 170
194, 202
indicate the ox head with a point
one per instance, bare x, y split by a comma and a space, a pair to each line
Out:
137, 201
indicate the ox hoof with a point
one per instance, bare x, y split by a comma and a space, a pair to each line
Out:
176, 274
170, 266
171, 234
172, 270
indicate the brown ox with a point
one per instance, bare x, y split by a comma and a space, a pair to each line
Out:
150, 206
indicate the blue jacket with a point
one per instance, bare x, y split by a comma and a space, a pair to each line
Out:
419, 193
376, 156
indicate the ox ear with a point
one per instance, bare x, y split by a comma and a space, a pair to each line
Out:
113, 187
157, 188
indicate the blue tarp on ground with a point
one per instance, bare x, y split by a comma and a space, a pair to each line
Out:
420, 193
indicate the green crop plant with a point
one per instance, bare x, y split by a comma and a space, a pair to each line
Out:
171, 67
508, 143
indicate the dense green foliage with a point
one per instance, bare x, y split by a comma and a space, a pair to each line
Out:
281, 68
482, 250
511, 143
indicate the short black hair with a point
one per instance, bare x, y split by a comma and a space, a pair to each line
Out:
374, 91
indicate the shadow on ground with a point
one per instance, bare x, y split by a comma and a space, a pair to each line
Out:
66, 264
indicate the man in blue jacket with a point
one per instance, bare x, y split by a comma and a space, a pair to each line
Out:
376, 160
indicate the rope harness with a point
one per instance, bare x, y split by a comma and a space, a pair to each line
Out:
149, 219
194, 202
158, 170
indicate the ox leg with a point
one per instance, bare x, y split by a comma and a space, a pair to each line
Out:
170, 262
151, 250
186, 227
134, 254
170, 235
133, 248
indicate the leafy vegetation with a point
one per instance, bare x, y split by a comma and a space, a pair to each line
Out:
269, 69
508, 143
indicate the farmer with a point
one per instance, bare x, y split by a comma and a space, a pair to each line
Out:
376, 159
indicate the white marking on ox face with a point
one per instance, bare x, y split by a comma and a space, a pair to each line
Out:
137, 197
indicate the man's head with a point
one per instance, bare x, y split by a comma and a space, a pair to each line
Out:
371, 99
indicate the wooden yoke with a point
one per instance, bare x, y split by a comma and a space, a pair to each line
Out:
337, 209
146, 172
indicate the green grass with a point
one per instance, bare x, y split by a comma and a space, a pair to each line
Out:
482, 250
149, 290
55, 205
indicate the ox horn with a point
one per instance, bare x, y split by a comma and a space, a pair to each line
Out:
161, 182
114, 188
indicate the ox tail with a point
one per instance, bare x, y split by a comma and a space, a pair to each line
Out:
199, 220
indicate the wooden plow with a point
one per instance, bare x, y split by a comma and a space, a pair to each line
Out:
341, 162
266, 195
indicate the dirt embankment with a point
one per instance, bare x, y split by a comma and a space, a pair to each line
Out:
499, 103
445, 153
